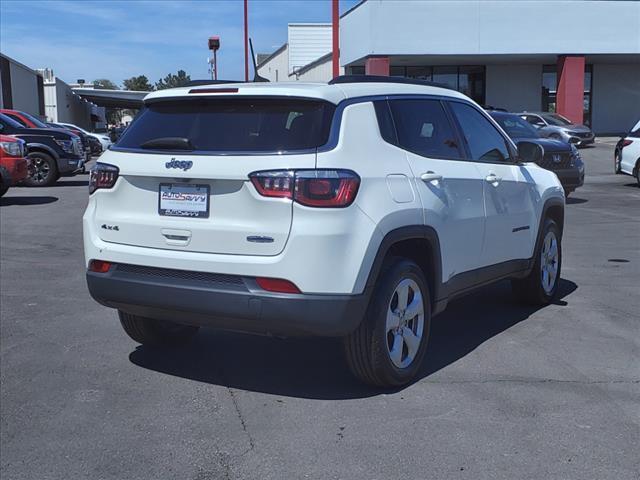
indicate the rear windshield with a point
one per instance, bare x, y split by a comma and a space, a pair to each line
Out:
234, 125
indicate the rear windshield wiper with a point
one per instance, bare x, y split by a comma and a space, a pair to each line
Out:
168, 143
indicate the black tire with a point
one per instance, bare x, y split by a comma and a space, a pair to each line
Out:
3, 189
156, 333
531, 290
43, 171
617, 158
367, 348
638, 172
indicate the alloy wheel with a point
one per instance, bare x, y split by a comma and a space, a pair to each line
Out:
405, 323
549, 260
39, 169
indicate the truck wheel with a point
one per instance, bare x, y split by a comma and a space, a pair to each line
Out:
541, 286
157, 333
389, 345
43, 171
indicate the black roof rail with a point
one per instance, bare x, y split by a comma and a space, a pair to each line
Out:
384, 79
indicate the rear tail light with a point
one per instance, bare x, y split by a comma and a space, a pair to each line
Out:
312, 188
102, 175
99, 266
626, 142
277, 285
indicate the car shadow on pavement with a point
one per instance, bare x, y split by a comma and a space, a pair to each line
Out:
575, 201
315, 367
6, 201
71, 183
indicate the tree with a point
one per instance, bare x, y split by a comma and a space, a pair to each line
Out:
105, 83
139, 83
172, 81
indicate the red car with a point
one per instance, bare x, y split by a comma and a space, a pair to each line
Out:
13, 165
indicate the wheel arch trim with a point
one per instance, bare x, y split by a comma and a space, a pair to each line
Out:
411, 232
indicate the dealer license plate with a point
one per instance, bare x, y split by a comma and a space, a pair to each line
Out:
183, 200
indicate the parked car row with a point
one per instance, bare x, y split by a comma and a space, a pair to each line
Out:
627, 154
53, 149
554, 125
560, 155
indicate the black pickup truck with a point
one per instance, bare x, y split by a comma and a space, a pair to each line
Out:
53, 153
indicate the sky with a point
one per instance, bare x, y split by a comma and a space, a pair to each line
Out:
116, 39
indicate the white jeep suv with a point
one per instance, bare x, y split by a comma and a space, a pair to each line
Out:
353, 209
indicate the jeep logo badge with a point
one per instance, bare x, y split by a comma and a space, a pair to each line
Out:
183, 165
556, 158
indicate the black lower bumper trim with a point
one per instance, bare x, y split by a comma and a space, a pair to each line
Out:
239, 309
570, 178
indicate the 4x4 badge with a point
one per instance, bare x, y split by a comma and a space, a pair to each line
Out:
181, 164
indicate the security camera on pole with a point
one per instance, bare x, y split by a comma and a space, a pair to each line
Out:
214, 45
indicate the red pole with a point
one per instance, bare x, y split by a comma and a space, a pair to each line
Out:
246, 40
336, 37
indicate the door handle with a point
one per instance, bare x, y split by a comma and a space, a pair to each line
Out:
430, 177
493, 179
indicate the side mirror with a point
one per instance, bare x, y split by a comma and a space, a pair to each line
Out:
530, 152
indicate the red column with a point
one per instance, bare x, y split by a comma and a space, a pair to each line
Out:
335, 8
377, 66
570, 92
246, 40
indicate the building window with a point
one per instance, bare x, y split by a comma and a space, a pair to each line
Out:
550, 85
469, 80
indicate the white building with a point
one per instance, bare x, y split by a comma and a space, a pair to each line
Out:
64, 106
578, 57
303, 57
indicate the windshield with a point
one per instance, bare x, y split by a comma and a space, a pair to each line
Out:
516, 127
35, 121
556, 119
232, 125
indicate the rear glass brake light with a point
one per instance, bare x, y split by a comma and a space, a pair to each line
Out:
312, 188
213, 90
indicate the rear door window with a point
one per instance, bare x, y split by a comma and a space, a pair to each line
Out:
234, 125
485, 143
423, 128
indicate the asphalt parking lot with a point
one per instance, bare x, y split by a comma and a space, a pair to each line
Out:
506, 391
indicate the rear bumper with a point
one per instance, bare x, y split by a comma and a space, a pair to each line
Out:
582, 141
571, 177
225, 302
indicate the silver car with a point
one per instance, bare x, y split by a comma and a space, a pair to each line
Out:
554, 125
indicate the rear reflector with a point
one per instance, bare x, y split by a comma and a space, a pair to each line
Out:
99, 266
277, 285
